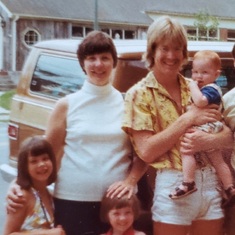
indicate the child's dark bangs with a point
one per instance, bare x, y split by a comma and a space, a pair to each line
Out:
38, 150
122, 204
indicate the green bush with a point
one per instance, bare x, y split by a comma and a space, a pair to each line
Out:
5, 99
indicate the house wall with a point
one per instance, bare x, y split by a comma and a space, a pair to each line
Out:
15, 50
6, 40
13, 39
46, 29
223, 34
52, 30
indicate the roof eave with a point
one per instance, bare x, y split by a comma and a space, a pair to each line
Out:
182, 14
9, 14
23, 16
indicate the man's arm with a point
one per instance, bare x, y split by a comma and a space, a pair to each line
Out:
150, 146
196, 140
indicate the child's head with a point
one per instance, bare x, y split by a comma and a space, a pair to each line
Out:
114, 210
206, 67
34, 147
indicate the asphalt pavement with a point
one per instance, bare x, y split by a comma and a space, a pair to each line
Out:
4, 154
4, 114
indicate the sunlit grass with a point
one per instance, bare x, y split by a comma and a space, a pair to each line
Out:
5, 99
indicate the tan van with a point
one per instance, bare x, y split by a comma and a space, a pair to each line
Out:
52, 71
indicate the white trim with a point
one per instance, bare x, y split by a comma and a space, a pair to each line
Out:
9, 14
25, 32
1, 45
14, 41
197, 35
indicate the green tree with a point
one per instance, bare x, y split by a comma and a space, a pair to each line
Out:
207, 25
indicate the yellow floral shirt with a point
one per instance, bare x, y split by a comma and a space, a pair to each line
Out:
148, 106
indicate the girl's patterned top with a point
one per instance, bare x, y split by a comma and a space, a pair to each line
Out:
130, 231
39, 218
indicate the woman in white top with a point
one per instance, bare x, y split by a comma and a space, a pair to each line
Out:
93, 153
91, 148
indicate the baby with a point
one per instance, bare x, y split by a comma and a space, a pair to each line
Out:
204, 91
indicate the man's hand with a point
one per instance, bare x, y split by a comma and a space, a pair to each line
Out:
200, 116
195, 140
189, 142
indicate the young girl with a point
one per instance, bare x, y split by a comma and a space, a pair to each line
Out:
36, 170
120, 213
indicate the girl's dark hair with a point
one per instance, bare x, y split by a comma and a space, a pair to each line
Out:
96, 42
108, 204
33, 146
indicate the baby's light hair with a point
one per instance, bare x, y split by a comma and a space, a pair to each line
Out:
211, 55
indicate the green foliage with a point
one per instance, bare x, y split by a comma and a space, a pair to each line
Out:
206, 24
5, 99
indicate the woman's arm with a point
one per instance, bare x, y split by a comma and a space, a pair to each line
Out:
150, 146
56, 128
14, 198
120, 188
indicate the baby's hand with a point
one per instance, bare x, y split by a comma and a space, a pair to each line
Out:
193, 83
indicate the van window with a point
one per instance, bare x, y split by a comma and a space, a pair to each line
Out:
56, 76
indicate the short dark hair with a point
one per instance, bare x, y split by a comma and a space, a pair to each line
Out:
108, 204
33, 146
96, 42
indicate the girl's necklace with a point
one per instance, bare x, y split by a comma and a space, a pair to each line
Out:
43, 209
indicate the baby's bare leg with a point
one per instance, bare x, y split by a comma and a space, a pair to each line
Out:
221, 167
189, 168
188, 185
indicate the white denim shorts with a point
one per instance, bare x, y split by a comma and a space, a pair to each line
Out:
204, 204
